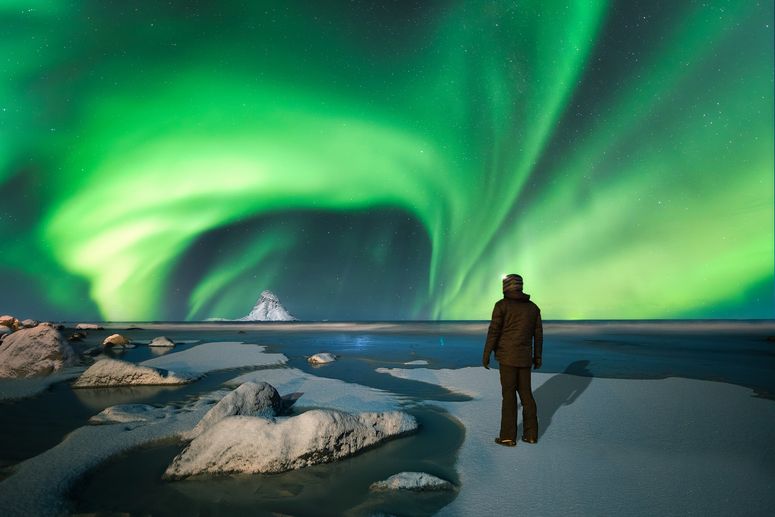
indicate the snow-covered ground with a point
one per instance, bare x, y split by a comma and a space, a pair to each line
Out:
606, 446
216, 356
613, 447
321, 392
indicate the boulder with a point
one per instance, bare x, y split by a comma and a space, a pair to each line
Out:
163, 341
249, 399
112, 372
251, 445
35, 352
116, 340
10, 322
29, 323
415, 481
76, 336
321, 358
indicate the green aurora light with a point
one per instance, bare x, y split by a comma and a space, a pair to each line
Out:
619, 157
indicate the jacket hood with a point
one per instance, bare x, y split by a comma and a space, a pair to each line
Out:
518, 295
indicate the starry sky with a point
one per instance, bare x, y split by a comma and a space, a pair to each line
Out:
386, 160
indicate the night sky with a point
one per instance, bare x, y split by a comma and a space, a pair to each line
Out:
386, 160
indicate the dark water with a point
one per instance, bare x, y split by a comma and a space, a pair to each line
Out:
133, 482
733, 352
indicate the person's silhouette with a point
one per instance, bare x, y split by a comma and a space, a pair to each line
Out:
516, 336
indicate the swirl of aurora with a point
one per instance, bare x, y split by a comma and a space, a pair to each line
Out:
387, 160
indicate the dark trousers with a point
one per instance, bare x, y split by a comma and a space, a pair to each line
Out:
513, 380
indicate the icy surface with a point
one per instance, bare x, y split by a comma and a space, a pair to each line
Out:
670, 447
248, 399
34, 352
268, 308
320, 392
415, 481
252, 445
112, 372
321, 358
210, 357
418, 362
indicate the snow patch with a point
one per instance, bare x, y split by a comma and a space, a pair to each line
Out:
320, 392
88, 326
418, 362
210, 357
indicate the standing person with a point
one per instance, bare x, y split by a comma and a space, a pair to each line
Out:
516, 335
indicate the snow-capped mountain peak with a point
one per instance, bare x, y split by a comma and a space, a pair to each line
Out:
268, 308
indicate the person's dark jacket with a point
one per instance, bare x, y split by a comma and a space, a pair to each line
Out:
516, 333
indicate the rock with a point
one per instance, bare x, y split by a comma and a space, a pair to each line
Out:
249, 399
58, 326
76, 336
321, 358
415, 481
116, 340
29, 323
35, 352
112, 372
5, 330
162, 341
10, 322
129, 413
251, 445
88, 326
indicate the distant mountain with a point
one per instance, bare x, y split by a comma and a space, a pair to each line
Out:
268, 308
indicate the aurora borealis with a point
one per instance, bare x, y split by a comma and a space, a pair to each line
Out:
386, 160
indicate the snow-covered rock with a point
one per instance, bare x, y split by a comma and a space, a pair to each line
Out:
249, 399
321, 358
88, 326
112, 372
129, 413
268, 308
252, 445
162, 341
33, 352
29, 323
116, 340
415, 481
